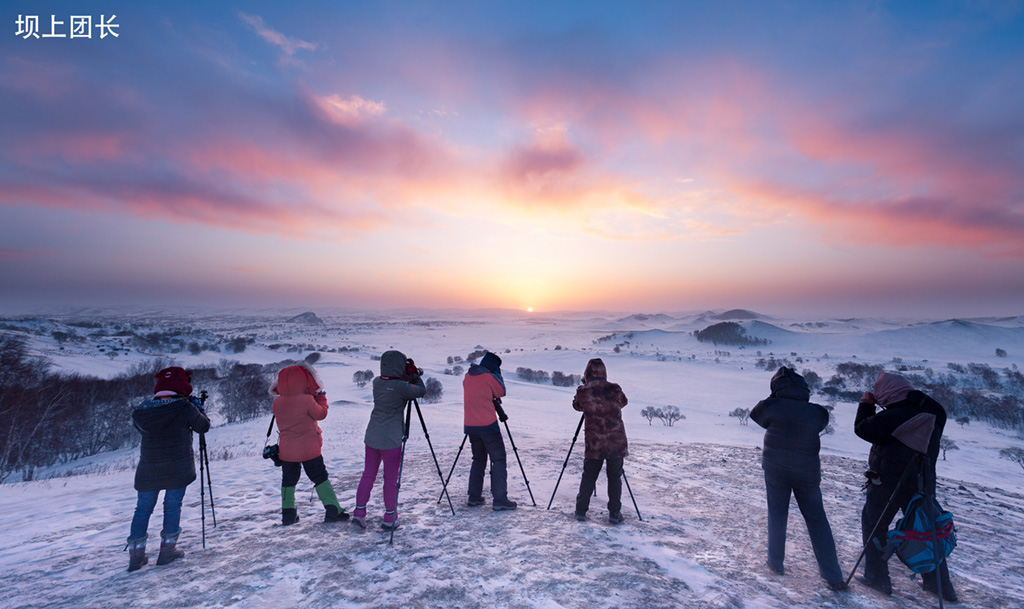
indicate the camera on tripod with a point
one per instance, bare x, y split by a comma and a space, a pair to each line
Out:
411, 369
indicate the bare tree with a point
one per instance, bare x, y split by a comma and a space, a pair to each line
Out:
1014, 454
743, 414
947, 444
650, 413
435, 390
669, 415
362, 377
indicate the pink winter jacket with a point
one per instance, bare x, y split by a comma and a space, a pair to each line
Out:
478, 391
298, 406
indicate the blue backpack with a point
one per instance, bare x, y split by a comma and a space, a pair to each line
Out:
918, 540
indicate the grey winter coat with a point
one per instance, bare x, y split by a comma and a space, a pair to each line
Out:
391, 390
166, 460
792, 426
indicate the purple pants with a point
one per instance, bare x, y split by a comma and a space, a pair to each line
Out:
392, 459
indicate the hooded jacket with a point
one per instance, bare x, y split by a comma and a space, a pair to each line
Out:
480, 386
299, 404
391, 390
602, 403
889, 457
792, 424
166, 459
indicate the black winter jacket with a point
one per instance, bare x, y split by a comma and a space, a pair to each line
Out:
889, 457
166, 460
793, 425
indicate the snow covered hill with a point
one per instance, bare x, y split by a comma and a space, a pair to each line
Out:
698, 486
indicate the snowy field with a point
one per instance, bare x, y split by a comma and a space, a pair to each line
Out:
698, 484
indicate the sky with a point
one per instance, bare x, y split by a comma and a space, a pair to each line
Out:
804, 158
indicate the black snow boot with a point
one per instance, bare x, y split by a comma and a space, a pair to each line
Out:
137, 553
333, 514
168, 551
289, 516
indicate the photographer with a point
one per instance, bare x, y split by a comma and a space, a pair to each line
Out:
483, 389
399, 382
601, 402
166, 461
887, 461
299, 403
792, 467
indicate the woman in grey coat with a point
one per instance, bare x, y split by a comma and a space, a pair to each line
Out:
791, 467
398, 383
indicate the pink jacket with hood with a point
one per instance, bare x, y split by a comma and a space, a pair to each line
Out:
298, 405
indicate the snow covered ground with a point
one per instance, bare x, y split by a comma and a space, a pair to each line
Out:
698, 485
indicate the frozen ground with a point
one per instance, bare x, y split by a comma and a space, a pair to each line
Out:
698, 485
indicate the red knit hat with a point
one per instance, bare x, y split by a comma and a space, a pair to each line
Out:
173, 379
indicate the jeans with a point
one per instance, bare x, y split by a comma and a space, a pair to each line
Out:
780, 484
144, 509
490, 446
392, 460
591, 468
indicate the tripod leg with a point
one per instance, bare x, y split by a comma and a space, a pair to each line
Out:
461, 446
516, 451
874, 530
626, 480
440, 474
202, 490
576, 435
401, 466
209, 483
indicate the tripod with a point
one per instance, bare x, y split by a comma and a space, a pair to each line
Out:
204, 468
401, 464
566, 463
504, 419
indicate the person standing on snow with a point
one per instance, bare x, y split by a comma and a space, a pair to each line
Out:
399, 382
887, 461
791, 464
483, 389
166, 461
299, 403
601, 403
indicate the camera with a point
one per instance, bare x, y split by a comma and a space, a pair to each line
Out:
273, 453
411, 369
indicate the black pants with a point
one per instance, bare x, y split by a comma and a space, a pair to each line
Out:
315, 469
488, 446
591, 468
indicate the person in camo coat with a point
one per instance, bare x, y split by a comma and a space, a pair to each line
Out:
166, 461
601, 402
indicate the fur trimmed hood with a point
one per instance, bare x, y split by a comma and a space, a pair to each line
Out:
298, 379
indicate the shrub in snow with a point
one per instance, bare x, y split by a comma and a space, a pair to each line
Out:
743, 414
